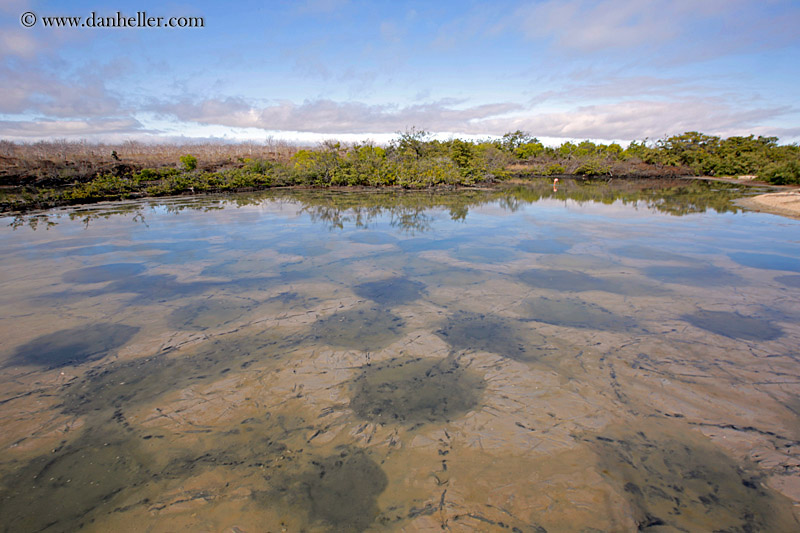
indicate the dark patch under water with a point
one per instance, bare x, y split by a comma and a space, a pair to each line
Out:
55, 491
473, 331
363, 329
390, 291
562, 280
578, 281
341, 490
142, 380
483, 254
163, 287
701, 276
102, 273
73, 346
408, 390
635, 251
789, 281
440, 274
112, 464
156, 287
237, 268
766, 261
423, 244
204, 314
309, 249
576, 313
677, 481
543, 246
734, 325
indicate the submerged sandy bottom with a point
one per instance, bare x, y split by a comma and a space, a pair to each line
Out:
596, 383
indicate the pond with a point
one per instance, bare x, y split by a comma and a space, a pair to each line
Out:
608, 356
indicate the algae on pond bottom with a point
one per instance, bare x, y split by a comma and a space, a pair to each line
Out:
73, 346
414, 390
733, 325
391, 291
363, 329
676, 479
472, 331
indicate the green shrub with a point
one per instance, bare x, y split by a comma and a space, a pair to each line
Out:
189, 162
593, 168
786, 173
554, 168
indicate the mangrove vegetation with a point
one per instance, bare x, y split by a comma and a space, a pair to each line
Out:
45, 175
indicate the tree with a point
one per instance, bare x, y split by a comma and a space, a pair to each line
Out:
513, 140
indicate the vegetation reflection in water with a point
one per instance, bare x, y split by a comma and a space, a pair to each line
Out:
409, 210
478, 360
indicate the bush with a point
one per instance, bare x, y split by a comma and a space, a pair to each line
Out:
189, 162
593, 168
787, 173
553, 169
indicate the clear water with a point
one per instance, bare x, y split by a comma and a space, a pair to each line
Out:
605, 357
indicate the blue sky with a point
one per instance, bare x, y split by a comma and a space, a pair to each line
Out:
308, 70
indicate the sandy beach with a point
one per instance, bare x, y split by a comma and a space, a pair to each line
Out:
778, 203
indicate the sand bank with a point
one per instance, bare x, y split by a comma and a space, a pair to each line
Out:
778, 203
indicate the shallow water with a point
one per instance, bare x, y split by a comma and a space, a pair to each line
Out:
608, 357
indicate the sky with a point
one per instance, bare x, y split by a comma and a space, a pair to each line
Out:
605, 70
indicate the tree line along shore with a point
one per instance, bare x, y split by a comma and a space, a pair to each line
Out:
48, 174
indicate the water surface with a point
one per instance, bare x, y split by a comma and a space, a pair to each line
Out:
609, 356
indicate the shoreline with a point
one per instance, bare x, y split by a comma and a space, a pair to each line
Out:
786, 203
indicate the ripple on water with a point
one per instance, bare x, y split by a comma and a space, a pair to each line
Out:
415, 390
734, 325
363, 329
391, 291
473, 331
73, 346
681, 482
102, 273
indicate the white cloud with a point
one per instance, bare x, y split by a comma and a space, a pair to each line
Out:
83, 129
629, 119
327, 116
34, 91
679, 30
14, 6
18, 43
637, 119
